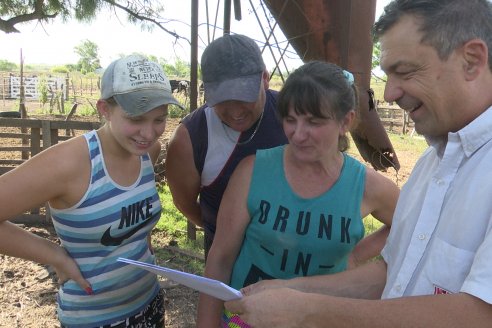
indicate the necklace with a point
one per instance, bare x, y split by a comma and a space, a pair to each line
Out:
231, 139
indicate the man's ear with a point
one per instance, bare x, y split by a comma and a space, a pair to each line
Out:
266, 79
476, 58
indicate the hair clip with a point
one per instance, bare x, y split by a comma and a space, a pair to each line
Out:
349, 76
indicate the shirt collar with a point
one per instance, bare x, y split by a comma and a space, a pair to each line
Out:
472, 137
477, 133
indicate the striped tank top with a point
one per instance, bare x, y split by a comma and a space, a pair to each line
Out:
110, 221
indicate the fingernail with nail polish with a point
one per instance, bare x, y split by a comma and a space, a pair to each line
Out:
89, 291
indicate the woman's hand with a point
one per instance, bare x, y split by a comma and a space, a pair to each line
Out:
66, 268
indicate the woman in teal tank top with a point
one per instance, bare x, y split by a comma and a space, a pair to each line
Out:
297, 210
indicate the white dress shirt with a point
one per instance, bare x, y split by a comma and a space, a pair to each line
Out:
440, 239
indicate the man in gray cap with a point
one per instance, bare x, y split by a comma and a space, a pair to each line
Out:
237, 119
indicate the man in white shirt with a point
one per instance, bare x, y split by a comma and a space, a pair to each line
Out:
436, 269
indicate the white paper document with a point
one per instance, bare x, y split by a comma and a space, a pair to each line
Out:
205, 285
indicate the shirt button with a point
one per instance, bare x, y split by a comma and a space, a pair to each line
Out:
439, 182
422, 236
398, 288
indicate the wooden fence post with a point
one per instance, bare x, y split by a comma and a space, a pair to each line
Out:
67, 87
405, 122
35, 141
3, 90
46, 133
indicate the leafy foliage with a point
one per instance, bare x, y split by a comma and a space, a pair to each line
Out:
376, 54
180, 68
85, 110
7, 66
376, 62
60, 69
43, 90
89, 57
20, 11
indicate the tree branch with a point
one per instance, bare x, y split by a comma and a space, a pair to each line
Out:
8, 26
148, 19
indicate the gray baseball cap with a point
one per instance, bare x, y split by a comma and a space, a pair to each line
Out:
232, 67
137, 84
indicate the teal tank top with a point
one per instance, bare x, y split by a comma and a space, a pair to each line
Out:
290, 236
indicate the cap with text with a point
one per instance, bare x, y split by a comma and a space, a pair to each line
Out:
137, 84
232, 67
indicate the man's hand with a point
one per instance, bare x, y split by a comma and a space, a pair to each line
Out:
263, 285
262, 308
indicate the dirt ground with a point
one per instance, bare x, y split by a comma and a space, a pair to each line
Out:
28, 290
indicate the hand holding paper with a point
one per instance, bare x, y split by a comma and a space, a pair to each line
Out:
205, 285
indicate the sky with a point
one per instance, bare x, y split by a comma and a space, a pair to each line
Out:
54, 43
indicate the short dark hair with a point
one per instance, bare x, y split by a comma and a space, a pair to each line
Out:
446, 24
320, 89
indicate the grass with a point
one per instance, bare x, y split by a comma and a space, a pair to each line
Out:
378, 87
406, 143
175, 224
371, 224
171, 230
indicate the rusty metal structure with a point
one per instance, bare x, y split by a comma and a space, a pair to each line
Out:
337, 31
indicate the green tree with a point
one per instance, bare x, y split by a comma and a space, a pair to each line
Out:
6, 65
376, 61
180, 68
376, 54
61, 69
89, 57
169, 69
